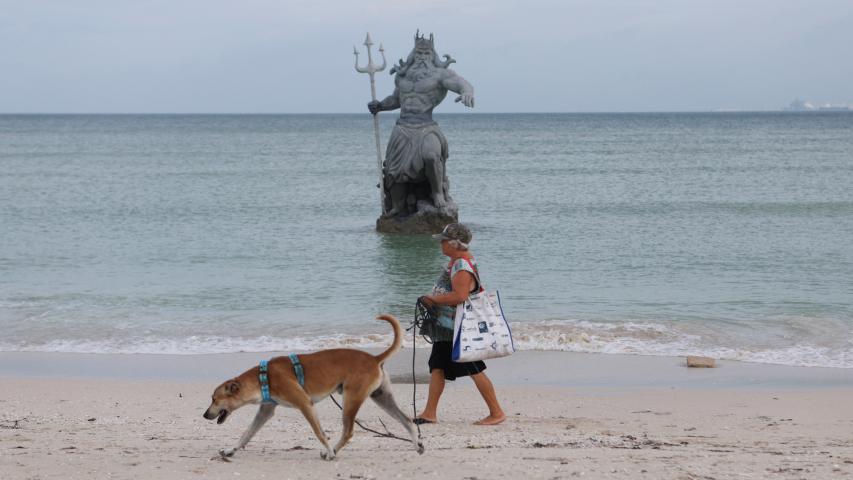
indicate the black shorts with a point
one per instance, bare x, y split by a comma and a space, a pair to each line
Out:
440, 358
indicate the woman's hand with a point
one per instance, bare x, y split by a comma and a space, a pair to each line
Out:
427, 300
462, 283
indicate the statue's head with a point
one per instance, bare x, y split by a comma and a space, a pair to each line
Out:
424, 50
423, 55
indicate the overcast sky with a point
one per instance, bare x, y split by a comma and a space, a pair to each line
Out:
521, 56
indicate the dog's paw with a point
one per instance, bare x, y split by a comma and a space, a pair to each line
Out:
227, 452
327, 455
421, 449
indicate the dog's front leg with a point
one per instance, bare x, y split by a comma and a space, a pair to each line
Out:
307, 409
265, 412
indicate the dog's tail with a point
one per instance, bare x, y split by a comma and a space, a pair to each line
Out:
398, 337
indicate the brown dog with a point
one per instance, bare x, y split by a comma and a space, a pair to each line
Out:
354, 373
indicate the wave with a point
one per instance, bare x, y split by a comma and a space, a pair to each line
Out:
663, 340
632, 338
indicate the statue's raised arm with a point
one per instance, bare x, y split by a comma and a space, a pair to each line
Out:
456, 84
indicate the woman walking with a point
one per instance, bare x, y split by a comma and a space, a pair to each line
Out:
458, 280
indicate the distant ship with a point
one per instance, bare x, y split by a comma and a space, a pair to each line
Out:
835, 108
799, 105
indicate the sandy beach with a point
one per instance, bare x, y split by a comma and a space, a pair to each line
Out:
188, 189
570, 415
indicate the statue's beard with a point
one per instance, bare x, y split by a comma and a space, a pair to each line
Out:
420, 69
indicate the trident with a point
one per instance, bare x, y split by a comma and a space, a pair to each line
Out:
370, 69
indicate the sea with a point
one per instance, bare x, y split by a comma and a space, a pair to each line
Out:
720, 234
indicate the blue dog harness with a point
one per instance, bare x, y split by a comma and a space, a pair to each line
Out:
265, 380
265, 383
297, 369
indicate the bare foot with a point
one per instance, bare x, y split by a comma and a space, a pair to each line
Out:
422, 419
490, 420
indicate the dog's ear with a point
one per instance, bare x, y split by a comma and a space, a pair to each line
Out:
233, 387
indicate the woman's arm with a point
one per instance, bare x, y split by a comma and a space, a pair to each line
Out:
462, 286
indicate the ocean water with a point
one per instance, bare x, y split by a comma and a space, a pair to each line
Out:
726, 234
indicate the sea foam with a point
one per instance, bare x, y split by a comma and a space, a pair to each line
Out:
631, 338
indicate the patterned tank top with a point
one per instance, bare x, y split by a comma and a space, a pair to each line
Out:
445, 313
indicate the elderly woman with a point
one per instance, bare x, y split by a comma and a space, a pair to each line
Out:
457, 281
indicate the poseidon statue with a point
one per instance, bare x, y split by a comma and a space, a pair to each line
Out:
414, 174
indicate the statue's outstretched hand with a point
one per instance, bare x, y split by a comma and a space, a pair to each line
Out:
375, 107
467, 100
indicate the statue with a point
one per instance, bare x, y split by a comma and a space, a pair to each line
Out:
416, 198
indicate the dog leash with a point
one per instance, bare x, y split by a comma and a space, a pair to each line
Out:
425, 323
415, 381
387, 433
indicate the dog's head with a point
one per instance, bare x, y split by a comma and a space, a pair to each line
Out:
226, 398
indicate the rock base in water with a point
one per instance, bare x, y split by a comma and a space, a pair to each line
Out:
419, 223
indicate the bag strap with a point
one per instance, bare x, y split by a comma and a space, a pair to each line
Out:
476, 276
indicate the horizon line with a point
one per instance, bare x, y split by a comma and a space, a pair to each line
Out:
588, 112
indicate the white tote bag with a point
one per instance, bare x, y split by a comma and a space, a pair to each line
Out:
480, 329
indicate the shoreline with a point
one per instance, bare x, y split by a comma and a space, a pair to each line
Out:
524, 368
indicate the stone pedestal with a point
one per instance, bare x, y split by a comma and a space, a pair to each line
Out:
419, 223
425, 219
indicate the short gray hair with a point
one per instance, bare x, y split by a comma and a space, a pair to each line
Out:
457, 234
458, 244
